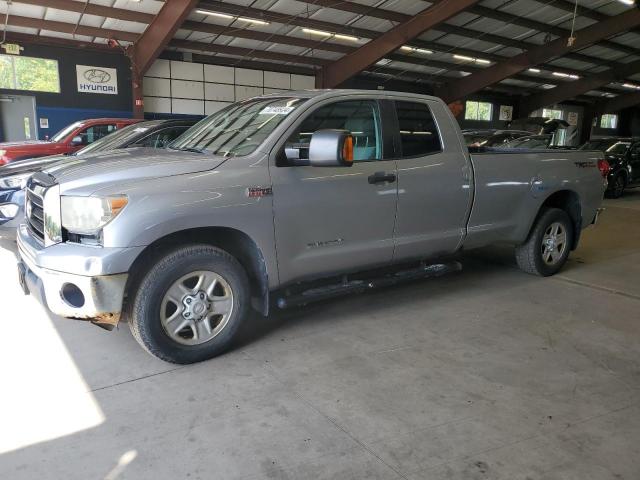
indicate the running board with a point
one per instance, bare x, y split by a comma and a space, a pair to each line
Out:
347, 287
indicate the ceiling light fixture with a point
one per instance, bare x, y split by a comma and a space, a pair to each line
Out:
346, 37
631, 85
471, 59
534, 70
627, 2
215, 14
252, 20
231, 17
565, 75
407, 48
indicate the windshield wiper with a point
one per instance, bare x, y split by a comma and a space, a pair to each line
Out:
190, 149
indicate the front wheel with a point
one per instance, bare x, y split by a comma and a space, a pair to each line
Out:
546, 250
189, 305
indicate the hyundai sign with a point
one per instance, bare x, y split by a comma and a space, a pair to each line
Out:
97, 80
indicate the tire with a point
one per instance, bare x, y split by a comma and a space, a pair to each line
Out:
533, 256
209, 281
616, 189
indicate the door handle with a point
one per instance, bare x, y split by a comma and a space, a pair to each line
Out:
381, 177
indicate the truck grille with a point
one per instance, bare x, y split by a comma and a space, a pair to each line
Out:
35, 214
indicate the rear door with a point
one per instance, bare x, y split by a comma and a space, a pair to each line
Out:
634, 162
334, 219
434, 181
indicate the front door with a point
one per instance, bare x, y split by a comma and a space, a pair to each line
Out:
334, 219
17, 118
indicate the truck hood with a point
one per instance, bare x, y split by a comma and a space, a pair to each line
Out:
83, 175
31, 166
34, 146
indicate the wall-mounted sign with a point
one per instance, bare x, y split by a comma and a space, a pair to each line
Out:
506, 113
572, 118
11, 48
97, 80
44, 122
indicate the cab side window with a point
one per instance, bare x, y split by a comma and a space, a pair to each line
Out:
161, 138
95, 132
360, 117
419, 134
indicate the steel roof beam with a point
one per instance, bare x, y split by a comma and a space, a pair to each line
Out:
540, 54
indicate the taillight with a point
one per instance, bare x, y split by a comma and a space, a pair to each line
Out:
604, 167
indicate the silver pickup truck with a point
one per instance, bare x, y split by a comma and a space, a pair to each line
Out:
285, 199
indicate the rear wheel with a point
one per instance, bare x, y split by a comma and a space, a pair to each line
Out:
618, 184
189, 305
546, 250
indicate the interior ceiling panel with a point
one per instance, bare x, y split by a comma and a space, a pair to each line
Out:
61, 16
629, 39
462, 19
124, 25
519, 83
30, 31
570, 63
409, 7
146, 6
598, 51
496, 27
540, 12
456, 41
23, 10
92, 20
581, 22
66, 36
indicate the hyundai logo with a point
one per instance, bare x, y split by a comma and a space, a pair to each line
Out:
95, 75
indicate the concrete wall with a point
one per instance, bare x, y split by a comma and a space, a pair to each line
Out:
189, 88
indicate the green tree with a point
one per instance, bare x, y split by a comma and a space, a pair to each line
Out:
6, 72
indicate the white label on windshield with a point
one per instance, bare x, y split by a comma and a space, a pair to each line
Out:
276, 110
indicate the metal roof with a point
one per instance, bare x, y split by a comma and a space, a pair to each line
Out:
311, 34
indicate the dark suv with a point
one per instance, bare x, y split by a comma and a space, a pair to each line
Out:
623, 155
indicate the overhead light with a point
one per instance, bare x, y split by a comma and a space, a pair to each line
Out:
252, 20
471, 59
323, 33
407, 48
627, 2
231, 17
631, 85
534, 70
316, 32
346, 37
215, 14
548, 86
565, 75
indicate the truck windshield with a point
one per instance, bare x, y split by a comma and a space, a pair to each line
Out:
62, 134
118, 139
238, 129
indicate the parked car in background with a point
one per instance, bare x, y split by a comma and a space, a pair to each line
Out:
623, 155
491, 138
68, 140
151, 134
534, 142
286, 199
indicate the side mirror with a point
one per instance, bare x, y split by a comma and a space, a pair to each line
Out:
77, 140
331, 148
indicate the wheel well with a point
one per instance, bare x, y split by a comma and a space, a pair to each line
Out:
568, 201
236, 243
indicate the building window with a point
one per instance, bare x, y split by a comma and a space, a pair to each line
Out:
29, 73
478, 111
552, 114
609, 120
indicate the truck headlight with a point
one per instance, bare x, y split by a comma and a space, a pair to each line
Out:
87, 215
14, 181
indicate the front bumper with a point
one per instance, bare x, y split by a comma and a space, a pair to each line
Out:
80, 288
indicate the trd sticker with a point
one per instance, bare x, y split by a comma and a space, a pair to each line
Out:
257, 192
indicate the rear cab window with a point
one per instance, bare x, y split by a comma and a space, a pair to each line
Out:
419, 135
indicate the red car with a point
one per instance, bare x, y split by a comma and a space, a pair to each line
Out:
71, 138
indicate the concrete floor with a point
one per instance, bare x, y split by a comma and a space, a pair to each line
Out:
487, 374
